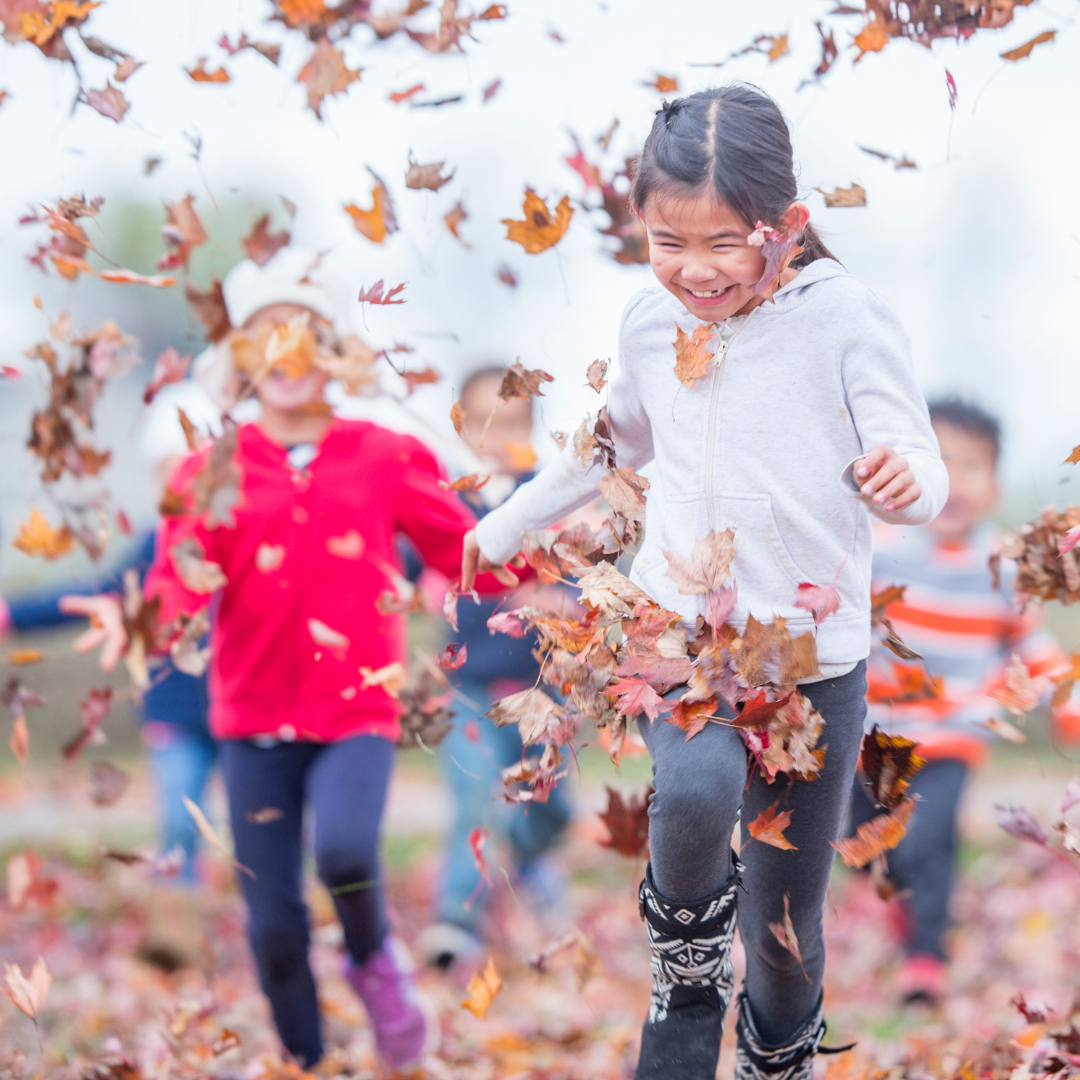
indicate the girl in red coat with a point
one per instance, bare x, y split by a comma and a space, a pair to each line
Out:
295, 538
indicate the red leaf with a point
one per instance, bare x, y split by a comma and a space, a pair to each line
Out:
820, 600
477, 838
453, 656
758, 711
627, 823
374, 295
636, 696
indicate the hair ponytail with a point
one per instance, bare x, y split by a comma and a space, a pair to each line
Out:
731, 141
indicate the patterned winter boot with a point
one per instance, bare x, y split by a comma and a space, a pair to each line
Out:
692, 980
755, 1059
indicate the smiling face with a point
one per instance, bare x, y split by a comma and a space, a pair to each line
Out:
699, 252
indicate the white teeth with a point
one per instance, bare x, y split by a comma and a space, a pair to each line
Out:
705, 295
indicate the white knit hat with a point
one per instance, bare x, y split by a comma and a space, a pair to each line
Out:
292, 276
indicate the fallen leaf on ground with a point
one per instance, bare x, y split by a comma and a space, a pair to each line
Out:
540, 230
481, 991
692, 358
769, 826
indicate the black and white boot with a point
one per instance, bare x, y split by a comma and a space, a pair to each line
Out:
692, 980
755, 1059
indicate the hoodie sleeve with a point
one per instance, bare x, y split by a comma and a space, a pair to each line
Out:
887, 406
566, 483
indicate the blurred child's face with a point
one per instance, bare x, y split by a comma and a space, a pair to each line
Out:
973, 487
279, 389
510, 427
699, 252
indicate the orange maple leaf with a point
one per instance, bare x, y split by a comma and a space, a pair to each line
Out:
378, 222
199, 73
1022, 51
482, 988
873, 37
769, 826
38, 537
326, 73
298, 12
666, 84
1074, 457
876, 836
691, 356
539, 230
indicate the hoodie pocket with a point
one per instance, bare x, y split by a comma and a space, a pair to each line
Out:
766, 574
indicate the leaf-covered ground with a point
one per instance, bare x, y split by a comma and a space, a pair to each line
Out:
1018, 930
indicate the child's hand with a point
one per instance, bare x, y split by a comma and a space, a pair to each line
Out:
106, 626
886, 476
473, 562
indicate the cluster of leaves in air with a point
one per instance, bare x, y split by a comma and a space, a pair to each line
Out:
1045, 556
1018, 821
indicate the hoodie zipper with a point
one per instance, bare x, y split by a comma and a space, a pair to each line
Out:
714, 406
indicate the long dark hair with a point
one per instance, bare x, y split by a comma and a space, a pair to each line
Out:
733, 142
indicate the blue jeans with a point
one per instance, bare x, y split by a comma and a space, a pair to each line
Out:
473, 770
181, 758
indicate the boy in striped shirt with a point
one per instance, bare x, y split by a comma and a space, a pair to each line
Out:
967, 632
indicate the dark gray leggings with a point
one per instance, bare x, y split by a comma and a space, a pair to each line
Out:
700, 791
922, 865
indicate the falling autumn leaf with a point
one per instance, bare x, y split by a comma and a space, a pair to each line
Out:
481, 991
207, 832
378, 222
454, 218
1022, 51
1074, 457
691, 355
199, 73
596, 375
210, 310
28, 994
38, 537
26, 882
453, 656
769, 826
477, 838
326, 74
182, 232
132, 277
20, 657
872, 38
627, 823
624, 491
1019, 692
636, 697
326, 636
398, 96
261, 245
521, 382
876, 836
784, 932
889, 762
94, 710
457, 417
428, 176
534, 713
902, 162
666, 84
707, 568
391, 677
170, 367
108, 101
820, 600
852, 196
374, 295
1017, 821
540, 230
19, 741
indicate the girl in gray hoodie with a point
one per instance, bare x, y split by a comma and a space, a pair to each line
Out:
806, 420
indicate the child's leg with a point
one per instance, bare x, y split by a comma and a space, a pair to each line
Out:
689, 896
783, 994
346, 787
272, 778
923, 861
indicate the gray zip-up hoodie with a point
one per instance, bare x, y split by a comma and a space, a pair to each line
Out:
765, 444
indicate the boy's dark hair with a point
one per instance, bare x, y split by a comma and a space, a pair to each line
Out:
968, 417
734, 141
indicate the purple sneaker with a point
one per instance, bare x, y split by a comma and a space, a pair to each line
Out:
386, 984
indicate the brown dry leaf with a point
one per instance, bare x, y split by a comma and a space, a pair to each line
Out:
1019, 692
876, 836
784, 932
889, 761
766, 654
19, 657
666, 84
199, 73
209, 307
707, 568
604, 587
182, 232
109, 101
481, 991
38, 537
325, 74
852, 196
107, 783
691, 355
28, 995
540, 230
261, 245
596, 376
624, 492
428, 176
627, 823
519, 381
206, 831
769, 826
457, 416
1022, 51
532, 710
454, 218
378, 222
196, 572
